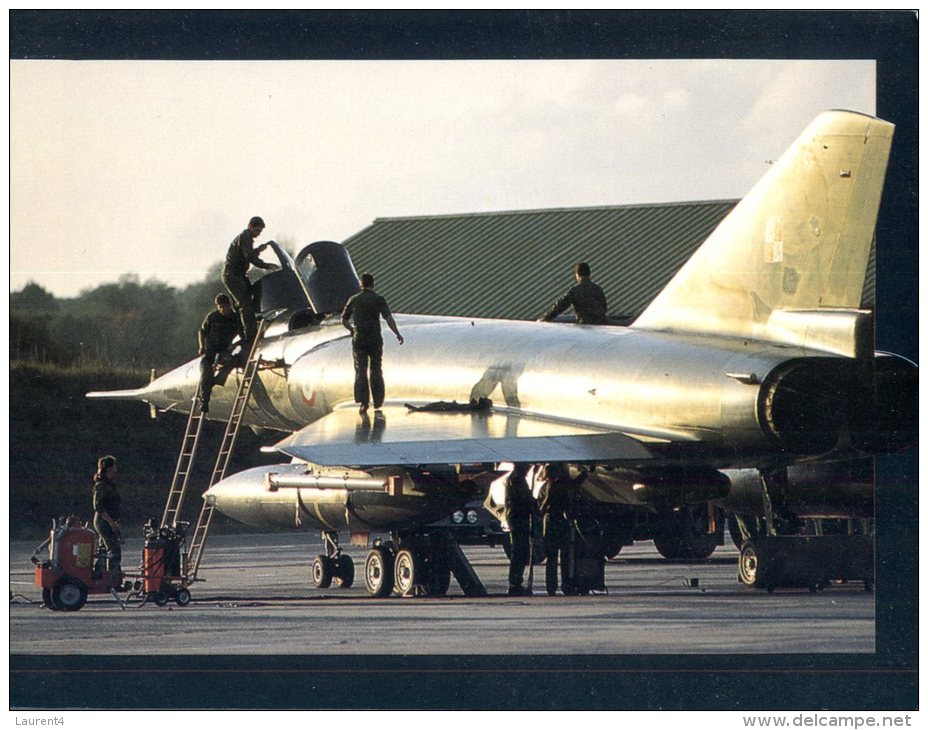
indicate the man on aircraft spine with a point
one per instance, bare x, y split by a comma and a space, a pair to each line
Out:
587, 299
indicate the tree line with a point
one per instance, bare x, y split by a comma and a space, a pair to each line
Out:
127, 324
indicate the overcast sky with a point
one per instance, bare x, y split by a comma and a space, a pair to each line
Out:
151, 168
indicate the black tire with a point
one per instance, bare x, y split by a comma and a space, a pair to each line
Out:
681, 536
344, 571
323, 571
69, 594
378, 572
161, 599
407, 571
183, 597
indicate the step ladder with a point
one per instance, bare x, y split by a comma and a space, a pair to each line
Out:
188, 450
195, 555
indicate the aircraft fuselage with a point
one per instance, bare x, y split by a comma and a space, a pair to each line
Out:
720, 396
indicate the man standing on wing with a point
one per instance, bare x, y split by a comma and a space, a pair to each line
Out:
365, 309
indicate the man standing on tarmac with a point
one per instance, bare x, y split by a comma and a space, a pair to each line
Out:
518, 514
215, 337
106, 502
241, 256
555, 502
587, 299
366, 308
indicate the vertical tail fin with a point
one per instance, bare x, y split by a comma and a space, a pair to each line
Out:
797, 244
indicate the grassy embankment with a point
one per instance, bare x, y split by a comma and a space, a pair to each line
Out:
56, 435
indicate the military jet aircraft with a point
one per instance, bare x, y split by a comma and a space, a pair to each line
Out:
750, 381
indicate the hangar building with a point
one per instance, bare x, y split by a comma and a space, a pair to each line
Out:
514, 264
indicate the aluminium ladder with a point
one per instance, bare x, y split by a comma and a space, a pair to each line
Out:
198, 542
188, 450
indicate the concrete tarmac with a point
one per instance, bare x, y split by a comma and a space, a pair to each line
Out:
257, 597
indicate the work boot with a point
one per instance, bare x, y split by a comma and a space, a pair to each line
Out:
519, 591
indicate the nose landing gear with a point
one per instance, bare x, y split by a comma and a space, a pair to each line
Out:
335, 566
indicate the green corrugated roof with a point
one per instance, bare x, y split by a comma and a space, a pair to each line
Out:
514, 264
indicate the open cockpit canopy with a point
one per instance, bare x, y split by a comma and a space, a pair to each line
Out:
315, 284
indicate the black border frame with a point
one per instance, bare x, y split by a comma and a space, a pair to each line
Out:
886, 680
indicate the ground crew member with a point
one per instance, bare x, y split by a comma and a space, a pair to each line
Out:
518, 514
106, 503
555, 500
241, 256
365, 309
215, 338
587, 299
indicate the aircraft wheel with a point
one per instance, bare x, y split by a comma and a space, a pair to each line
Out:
406, 571
378, 572
344, 571
752, 568
323, 571
69, 594
682, 535
183, 597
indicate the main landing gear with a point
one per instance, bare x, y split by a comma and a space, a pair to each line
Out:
407, 565
422, 565
422, 570
335, 566
410, 567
